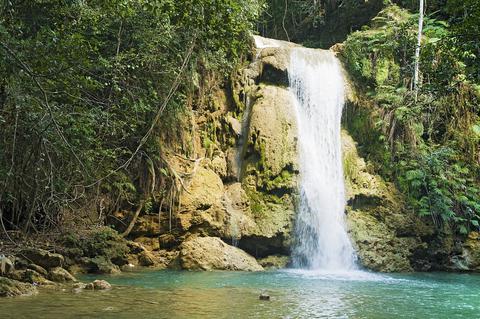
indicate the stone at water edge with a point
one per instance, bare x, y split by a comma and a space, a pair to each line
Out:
59, 274
30, 276
12, 288
89, 286
211, 253
43, 257
79, 287
101, 285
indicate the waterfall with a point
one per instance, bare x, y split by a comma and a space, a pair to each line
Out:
322, 241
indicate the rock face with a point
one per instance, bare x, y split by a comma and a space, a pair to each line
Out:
270, 166
210, 253
240, 186
468, 256
384, 233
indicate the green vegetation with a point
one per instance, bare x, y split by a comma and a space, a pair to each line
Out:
429, 145
90, 92
93, 93
316, 23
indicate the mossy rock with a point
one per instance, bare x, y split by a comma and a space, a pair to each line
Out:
100, 249
12, 288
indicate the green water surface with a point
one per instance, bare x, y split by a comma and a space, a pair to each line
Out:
294, 294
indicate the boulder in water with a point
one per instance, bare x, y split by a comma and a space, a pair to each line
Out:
209, 253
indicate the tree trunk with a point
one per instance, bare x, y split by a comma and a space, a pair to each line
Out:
417, 50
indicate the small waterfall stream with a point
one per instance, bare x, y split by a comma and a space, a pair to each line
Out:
322, 242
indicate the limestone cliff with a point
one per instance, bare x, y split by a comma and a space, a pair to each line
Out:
240, 187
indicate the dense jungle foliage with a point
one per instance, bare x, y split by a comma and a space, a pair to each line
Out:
430, 144
91, 91
88, 88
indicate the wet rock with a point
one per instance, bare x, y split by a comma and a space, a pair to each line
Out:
12, 288
6, 265
209, 253
101, 285
237, 195
43, 258
95, 285
59, 274
271, 169
274, 62
235, 125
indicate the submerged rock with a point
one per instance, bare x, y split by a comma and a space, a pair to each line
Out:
209, 253
264, 297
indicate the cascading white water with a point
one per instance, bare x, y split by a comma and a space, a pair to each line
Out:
322, 242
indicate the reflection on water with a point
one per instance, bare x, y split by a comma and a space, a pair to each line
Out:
294, 294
